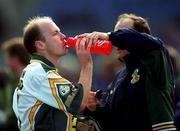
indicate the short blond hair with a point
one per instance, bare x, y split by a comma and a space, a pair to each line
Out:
139, 23
32, 32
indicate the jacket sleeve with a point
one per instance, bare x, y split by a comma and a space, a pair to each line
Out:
101, 115
134, 41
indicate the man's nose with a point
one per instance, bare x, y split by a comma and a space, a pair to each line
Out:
62, 35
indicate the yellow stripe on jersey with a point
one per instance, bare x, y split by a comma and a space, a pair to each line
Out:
31, 114
74, 123
70, 122
52, 82
168, 126
52, 85
39, 61
54, 72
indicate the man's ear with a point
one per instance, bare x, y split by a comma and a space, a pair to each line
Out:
40, 45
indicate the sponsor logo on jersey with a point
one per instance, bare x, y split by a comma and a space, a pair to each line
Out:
135, 76
64, 89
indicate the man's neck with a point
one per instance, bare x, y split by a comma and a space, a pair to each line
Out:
52, 59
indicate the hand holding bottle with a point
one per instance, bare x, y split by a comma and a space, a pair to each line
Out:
96, 40
83, 53
94, 36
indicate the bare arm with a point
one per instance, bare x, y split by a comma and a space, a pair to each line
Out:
86, 72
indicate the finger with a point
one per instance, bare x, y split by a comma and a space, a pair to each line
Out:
92, 93
91, 108
84, 46
82, 43
88, 35
91, 97
93, 37
96, 37
92, 101
89, 45
90, 40
76, 36
77, 44
92, 105
81, 35
87, 39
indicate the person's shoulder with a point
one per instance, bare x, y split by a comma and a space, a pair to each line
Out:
34, 69
35, 66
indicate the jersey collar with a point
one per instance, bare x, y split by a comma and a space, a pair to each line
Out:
42, 60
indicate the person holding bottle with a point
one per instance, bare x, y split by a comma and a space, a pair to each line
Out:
44, 100
141, 96
101, 47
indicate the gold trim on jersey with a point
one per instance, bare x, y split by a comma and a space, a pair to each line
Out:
41, 62
53, 72
70, 122
32, 112
52, 82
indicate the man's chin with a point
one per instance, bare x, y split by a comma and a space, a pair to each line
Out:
65, 52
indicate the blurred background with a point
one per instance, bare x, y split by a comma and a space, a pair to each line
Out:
79, 16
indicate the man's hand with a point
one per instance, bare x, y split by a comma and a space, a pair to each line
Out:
92, 101
94, 36
83, 51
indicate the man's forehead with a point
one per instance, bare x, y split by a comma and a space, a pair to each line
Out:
48, 25
124, 23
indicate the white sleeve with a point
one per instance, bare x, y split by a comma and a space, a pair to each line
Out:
54, 90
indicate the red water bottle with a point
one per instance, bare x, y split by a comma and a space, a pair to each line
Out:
102, 47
